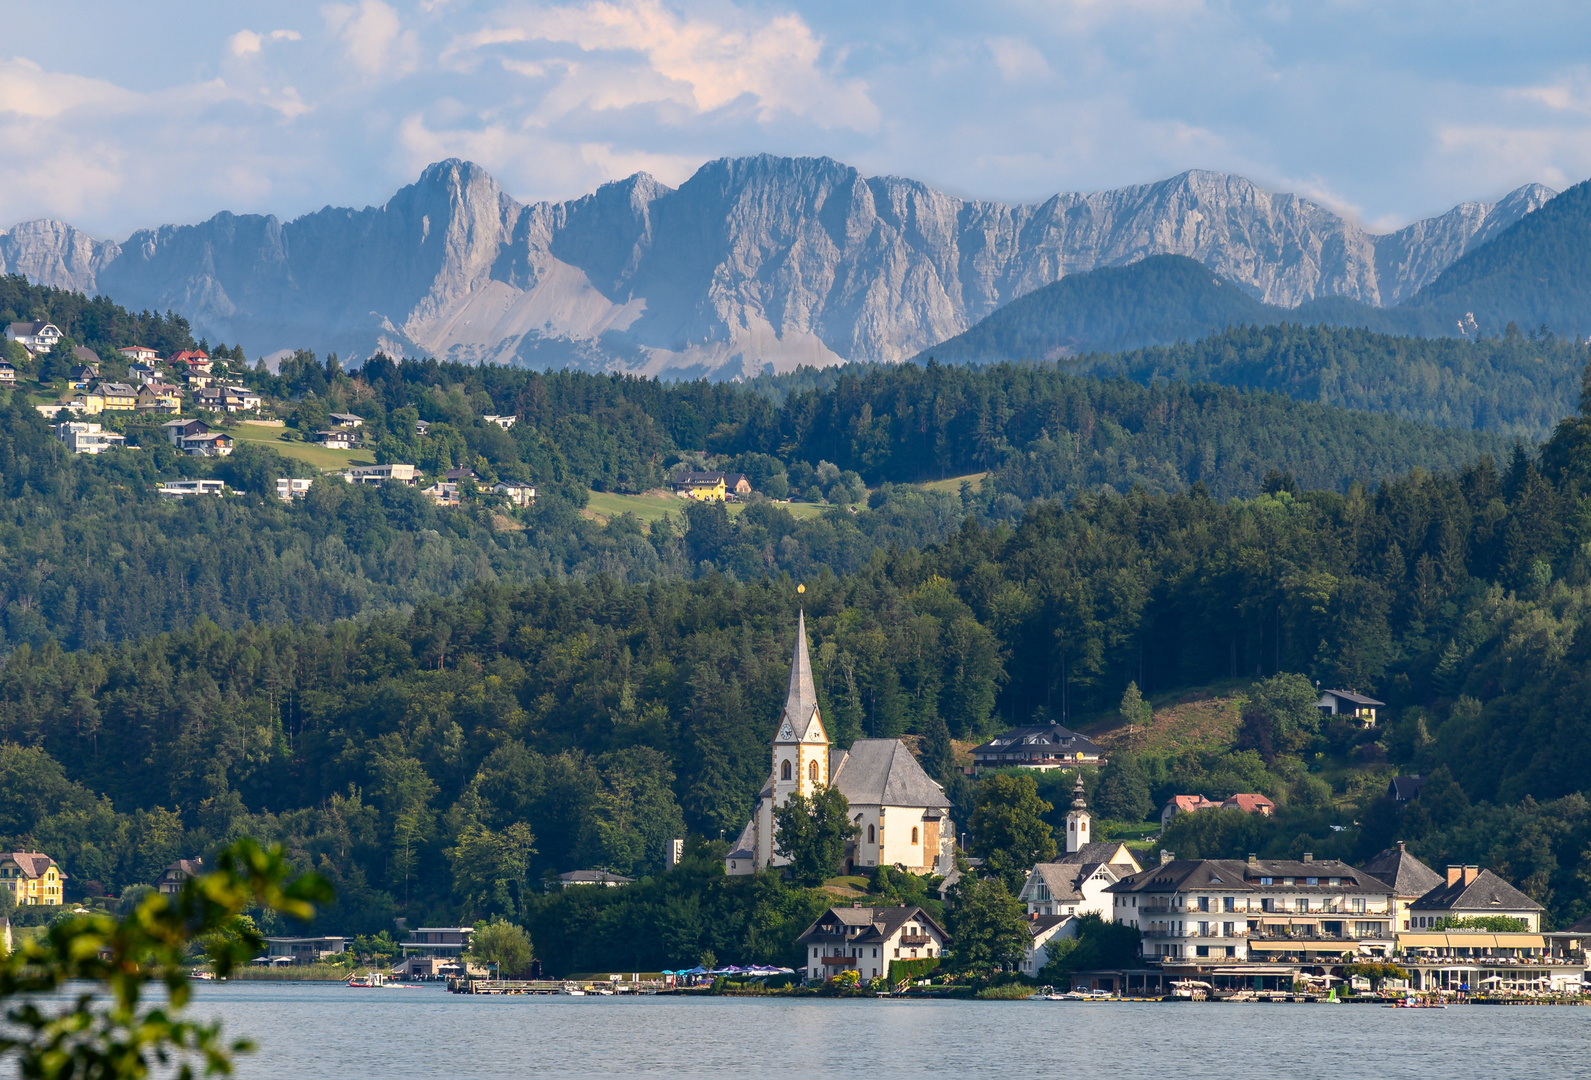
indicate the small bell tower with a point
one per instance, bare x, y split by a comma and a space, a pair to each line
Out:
1078, 819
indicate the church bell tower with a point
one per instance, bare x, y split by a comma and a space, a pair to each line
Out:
1077, 820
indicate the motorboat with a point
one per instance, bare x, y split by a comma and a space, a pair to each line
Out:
372, 980
572, 991
202, 976
1191, 990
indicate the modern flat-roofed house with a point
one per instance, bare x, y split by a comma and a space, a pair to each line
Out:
701, 486
1350, 703
504, 422
600, 878
37, 337
171, 878
868, 939
289, 488
178, 489
32, 877
304, 950
1041, 746
86, 438
438, 941
381, 474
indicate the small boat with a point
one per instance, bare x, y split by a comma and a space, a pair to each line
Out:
1191, 990
371, 981
572, 991
203, 976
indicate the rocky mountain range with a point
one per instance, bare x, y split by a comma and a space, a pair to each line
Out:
751, 262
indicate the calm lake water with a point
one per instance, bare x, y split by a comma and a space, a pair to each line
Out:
319, 1030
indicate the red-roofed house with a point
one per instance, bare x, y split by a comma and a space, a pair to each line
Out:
1185, 804
193, 359
1250, 804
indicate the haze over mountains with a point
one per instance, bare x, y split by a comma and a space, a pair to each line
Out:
751, 262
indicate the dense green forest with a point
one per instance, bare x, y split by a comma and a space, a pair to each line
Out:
440, 762
89, 552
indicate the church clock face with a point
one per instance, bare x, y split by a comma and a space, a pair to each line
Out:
786, 734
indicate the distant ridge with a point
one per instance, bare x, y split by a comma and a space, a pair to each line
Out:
752, 263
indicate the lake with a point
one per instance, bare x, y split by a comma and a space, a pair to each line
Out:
312, 1030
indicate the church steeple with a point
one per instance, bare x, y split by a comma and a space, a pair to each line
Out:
1078, 820
802, 699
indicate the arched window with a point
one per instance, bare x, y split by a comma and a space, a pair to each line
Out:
812, 772
914, 834
870, 834
784, 771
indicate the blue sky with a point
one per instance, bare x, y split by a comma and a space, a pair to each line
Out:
122, 115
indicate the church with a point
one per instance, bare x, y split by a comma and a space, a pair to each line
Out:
902, 815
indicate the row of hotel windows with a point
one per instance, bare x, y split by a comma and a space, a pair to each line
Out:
1356, 904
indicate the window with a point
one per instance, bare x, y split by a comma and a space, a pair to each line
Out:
812, 772
1312, 881
870, 834
1201, 950
914, 834
1204, 929
784, 771
1204, 903
1302, 905
1336, 881
1287, 881
1265, 881
1358, 904
1228, 930
1229, 904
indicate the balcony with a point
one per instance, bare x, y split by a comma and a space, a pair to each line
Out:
915, 941
839, 961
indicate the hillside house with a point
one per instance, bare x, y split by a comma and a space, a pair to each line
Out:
1248, 802
86, 403
443, 493
179, 489
518, 494
346, 420
85, 357
138, 354
117, 397
208, 444
177, 430
382, 474
701, 486
868, 939
8, 372
158, 398
36, 337
1041, 746
172, 877
81, 375
504, 422
191, 360
289, 488
736, 485
337, 439
1404, 788
599, 878
1349, 703
33, 878
82, 437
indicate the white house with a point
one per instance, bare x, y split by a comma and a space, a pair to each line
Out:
504, 422
381, 474
902, 816
867, 939
1043, 931
36, 337
518, 494
86, 438
1350, 703
177, 489
289, 488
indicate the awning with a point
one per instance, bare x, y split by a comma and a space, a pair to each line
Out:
1520, 941
1471, 941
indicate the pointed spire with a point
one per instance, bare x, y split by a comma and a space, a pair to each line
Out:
1078, 801
802, 699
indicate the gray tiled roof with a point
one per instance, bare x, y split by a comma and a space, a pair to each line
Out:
882, 772
1487, 892
801, 700
1099, 851
1403, 873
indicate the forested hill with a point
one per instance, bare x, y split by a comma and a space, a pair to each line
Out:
436, 764
89, 552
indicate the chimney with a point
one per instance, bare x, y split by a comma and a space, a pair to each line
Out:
1455, 874
1253, 860
856, 903
1309, 856
1400, 846
1471, 873
1165, 856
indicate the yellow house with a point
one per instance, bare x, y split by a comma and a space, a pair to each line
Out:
92, 402
159, 398
118, 396
32, 877
703, 486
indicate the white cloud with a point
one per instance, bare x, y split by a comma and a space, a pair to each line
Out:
373, 37
247, 42
26, 89
1018, 60
702, 65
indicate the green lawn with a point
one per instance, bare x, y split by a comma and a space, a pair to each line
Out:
953, 484
318, 456
603, 506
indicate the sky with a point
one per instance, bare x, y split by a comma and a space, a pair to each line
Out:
118, 116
